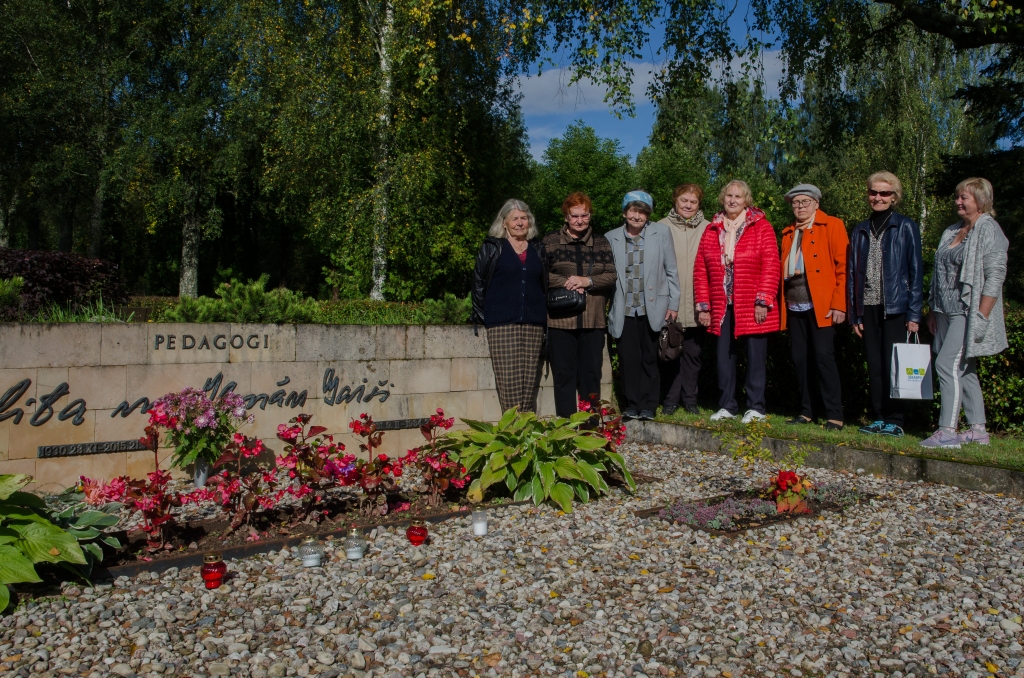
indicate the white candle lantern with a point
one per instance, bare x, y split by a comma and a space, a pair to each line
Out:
479, 523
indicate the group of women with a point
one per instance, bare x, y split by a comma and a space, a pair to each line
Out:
728, 276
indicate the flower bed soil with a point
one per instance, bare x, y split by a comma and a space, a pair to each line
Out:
745, 524
338, 515
193, 538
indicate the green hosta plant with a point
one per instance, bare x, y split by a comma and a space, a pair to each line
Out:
537, 459
85, 523
27, 538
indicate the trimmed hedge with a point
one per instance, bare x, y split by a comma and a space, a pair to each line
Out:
59, 278
251, 302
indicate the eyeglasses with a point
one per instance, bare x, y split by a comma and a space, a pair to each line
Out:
802, 203
883, 194
579, 216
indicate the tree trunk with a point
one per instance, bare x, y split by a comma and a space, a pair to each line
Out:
96, 219
381, 206
922, 182
188, 284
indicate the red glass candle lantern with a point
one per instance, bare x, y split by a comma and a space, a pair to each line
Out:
417, 532
213, 570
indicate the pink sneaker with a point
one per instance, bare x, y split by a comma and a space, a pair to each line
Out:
978, 436
944, 437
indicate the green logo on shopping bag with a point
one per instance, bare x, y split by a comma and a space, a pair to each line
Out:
915, 372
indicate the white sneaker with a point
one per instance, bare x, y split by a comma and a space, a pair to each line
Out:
722, 414
752, 415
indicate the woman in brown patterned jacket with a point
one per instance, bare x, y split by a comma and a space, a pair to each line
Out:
578, 259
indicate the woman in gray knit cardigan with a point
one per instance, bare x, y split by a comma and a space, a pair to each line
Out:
967, 311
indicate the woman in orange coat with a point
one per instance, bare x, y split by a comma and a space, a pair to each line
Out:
814, 299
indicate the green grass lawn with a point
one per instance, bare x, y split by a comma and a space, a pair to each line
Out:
1004, 451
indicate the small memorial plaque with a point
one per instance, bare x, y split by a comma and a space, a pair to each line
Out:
396, 424
81, 449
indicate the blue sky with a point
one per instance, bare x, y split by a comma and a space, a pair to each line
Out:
550, 105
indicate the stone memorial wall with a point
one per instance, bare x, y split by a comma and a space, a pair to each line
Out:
73, 397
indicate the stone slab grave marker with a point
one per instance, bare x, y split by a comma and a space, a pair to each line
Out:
74, 396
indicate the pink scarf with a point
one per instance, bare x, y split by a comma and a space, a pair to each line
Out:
731, 228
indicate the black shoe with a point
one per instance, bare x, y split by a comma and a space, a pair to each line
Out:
630, 413
832, 426
692, 409
668, 409
795, 421
647, 415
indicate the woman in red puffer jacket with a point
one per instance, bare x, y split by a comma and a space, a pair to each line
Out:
736, 288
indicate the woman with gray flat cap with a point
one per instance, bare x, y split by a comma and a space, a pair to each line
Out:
646, 297
814, 299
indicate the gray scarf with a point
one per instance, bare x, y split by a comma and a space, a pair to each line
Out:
692, 222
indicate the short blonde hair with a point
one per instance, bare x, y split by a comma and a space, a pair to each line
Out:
888, 178
743, 186
498, 227
981, 189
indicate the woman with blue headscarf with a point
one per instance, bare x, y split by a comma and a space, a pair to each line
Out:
646, 297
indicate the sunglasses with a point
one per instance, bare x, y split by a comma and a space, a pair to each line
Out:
884, 194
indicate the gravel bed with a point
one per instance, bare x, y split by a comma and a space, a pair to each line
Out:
924, 579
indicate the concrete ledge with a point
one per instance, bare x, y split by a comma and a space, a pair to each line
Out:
838, 458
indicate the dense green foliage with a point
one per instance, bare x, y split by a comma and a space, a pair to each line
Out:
580, 161
343, 146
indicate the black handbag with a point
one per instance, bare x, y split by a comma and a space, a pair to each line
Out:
670, 341
565, 302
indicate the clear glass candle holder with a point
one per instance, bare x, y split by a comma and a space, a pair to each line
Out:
311, 552
355, 544
479, 523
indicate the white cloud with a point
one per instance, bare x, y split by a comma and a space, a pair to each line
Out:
550, 93
771, 65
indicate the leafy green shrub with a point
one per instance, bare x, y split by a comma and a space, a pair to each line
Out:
447, 311
10, 291
1002, 379
537, 459
27, 538
245, 303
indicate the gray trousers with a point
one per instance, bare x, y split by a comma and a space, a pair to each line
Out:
958, 376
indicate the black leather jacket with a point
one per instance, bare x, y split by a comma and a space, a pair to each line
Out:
486, 260
902, 268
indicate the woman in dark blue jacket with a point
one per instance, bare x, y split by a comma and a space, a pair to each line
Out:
885, 292
510, 300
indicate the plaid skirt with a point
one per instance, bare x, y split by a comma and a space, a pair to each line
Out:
515, 358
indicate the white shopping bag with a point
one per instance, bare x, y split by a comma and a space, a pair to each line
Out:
911, 374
